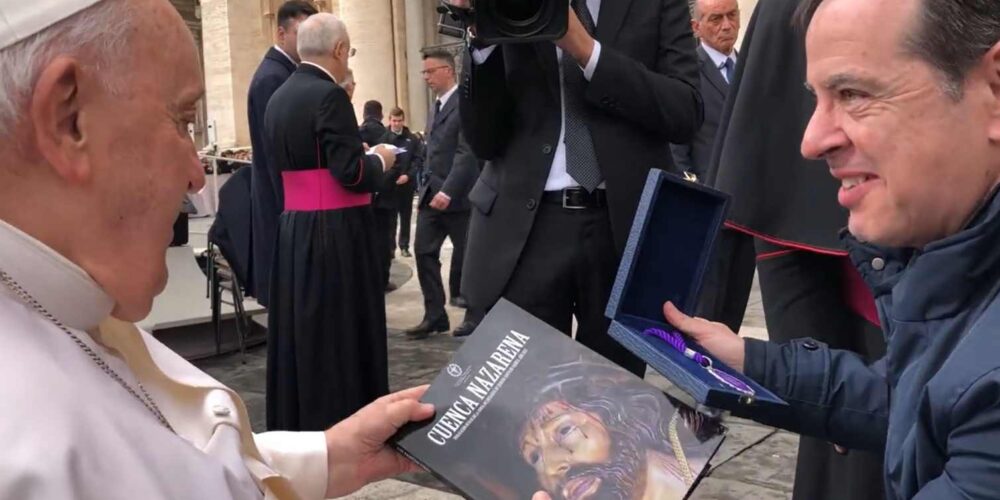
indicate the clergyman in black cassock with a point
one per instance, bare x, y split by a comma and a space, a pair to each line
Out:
326, 325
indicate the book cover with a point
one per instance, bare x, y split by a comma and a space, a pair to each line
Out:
523, 408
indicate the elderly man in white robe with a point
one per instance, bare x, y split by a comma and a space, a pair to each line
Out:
95, 100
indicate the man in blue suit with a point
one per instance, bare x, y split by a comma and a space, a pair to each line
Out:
278, 64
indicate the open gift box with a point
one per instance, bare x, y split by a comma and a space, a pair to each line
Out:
668, 252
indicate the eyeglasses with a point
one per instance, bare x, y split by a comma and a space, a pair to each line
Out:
432, 70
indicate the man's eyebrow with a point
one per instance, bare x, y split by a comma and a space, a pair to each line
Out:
839, 80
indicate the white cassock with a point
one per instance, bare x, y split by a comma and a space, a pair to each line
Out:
69, 431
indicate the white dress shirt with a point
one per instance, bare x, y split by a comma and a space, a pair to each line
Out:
719, 59
443, 99
317, 66
70, 431
559, 178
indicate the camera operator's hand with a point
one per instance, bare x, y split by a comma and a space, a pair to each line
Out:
577, 42
388, 156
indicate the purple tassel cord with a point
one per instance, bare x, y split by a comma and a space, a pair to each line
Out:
676, 341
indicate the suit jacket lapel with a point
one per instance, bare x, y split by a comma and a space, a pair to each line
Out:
711, 72
610, 20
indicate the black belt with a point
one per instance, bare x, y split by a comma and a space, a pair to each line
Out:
576, 198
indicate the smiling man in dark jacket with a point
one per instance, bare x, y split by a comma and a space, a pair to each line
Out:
908, 119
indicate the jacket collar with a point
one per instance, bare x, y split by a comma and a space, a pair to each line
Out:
277, 55
939, 280
316, 70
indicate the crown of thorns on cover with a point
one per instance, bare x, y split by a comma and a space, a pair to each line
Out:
579, 419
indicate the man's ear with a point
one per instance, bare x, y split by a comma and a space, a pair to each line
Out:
54, 112
992, 63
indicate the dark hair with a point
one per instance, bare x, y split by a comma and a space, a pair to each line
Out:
373, 109
397, 111
294, 9
949, 35
442, 55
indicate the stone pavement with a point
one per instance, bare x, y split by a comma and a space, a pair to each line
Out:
755, 462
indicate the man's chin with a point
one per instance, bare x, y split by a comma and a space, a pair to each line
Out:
138, 306
132, 311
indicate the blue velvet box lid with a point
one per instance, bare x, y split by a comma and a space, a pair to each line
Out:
668, 252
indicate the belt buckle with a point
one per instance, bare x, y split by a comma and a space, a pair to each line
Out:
565, 201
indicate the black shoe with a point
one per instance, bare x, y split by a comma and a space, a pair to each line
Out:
465, 329
425, 329
459, 302
406, 253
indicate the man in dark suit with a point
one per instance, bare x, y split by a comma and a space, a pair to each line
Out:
406, 189
371, 127
278, 64
726, 289
443, 206
555, 203
395, 186
716, 23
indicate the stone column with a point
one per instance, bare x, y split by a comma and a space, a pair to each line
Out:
234, 43
369, 24
416, 38
399, 55
218, 71
746, 10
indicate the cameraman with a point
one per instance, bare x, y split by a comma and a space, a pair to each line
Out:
571, 130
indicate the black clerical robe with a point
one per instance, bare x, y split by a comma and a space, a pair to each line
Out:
326, 323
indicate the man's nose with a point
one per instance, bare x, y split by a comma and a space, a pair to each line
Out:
823, 136
196, 175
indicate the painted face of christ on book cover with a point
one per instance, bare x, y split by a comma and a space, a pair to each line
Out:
593, 432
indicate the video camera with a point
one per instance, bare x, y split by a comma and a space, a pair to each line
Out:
506, 21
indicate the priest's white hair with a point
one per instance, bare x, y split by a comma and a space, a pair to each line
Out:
97, 36
319, 34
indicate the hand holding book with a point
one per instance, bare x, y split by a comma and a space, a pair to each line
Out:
358, 453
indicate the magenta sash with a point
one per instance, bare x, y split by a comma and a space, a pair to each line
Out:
316, 190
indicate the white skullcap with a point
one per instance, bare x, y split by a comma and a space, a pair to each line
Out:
19, 19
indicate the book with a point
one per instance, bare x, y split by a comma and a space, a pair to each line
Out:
522, 408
